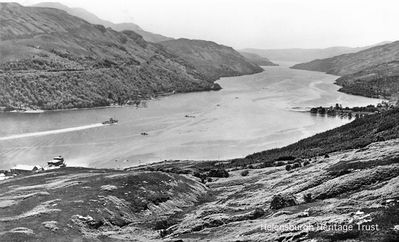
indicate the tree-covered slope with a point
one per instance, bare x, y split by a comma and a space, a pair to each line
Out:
357, 134
372, 72
52, 60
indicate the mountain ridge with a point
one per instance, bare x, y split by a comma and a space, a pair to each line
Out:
305, 55
92, 18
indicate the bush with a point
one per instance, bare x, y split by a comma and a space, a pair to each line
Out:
245, 173
283, 158
288, 167
257, 213
199, 175
298, 160
307, 197
326, 156
218, 173
306, 163
296, 165
282, 201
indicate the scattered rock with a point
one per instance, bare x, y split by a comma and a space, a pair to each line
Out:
304, 214
80, 218
108, 187
283, 212
87, 221
244, 173
7, 203
22, 230
359, 213
51, 225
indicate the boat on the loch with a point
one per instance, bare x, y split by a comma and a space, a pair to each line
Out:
110, 121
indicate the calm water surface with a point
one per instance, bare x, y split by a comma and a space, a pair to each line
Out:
252, 113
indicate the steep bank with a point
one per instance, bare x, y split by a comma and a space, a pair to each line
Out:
372, 72
52, 60
211, 59
257, 59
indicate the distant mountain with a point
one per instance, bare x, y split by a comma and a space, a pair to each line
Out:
304, 55
373, 72
211, 59
257, 59
53, 60
91, 18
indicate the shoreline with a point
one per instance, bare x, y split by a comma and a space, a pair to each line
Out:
136, 103
159, 161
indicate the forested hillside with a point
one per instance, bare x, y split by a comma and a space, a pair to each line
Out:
52, 60
357, 134
372, 72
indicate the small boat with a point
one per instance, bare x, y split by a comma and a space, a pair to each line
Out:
110, 121
57, 162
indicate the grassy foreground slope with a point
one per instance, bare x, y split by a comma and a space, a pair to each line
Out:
79, 204
355, 187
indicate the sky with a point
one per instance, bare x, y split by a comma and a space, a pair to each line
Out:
266, 24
